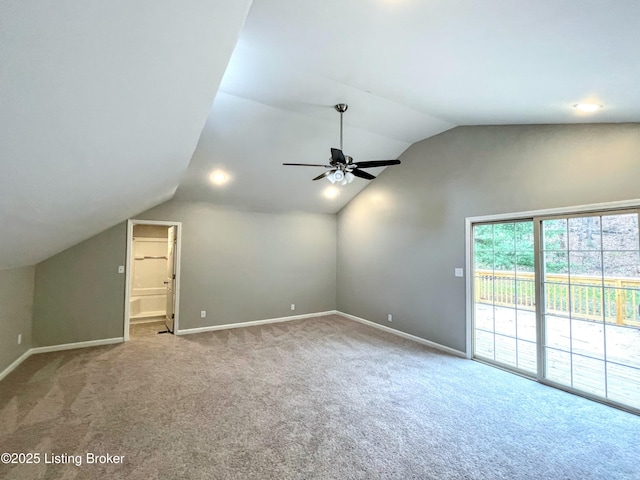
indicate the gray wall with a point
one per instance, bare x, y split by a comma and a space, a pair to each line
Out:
79, 294
400, 238
238, 266
16, 311
241, 266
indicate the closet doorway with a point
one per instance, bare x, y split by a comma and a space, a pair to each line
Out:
152, 280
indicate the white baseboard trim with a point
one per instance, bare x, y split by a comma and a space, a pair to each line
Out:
188, 331
57, 348
15, 364
72, 346
408, 336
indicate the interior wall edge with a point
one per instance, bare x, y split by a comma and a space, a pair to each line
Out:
57, 348
400, 239
79, 293
408, 336
16, 315
16, 363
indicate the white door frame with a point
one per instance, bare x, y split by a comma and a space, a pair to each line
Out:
127, 296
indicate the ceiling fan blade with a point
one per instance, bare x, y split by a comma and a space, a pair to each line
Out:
307, 165
362, 174
337, 156
325, 174
377, 163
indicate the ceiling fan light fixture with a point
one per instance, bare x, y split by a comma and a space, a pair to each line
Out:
336, 177
348, 178
342, 169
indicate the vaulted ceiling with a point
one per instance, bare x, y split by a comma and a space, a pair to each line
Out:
101, 107
408, 69
108, 107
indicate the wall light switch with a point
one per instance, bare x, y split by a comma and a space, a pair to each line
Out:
293, 306
459, 272
203, 314
121, 269
19, 338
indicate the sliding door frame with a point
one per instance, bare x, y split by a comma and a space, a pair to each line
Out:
537, 216
471, 305
541, 300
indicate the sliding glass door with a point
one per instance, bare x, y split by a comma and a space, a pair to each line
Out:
568, 312
590, 269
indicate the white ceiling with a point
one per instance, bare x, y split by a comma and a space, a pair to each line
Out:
103, 102
408, 69
101, 107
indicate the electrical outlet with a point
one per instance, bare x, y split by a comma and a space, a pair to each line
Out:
19, 338
458, 272
390, 317
203, 314
293, 306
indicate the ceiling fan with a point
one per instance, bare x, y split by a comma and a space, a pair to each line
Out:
343, 169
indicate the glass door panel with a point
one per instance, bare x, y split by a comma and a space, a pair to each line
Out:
590, 274
504, 326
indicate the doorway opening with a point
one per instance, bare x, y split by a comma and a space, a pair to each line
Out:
152, 278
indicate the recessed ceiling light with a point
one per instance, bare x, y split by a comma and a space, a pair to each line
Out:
218, 177
588, 107
331, 192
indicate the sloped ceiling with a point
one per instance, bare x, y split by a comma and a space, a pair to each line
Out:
102, 103
101, 107
408, 69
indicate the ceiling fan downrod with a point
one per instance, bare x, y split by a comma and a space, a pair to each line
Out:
341, 167
341, 108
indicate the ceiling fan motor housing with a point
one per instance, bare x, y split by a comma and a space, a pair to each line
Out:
342, 169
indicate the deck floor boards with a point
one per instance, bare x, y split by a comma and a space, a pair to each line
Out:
597, 358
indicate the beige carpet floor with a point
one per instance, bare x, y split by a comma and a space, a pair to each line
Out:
323, 398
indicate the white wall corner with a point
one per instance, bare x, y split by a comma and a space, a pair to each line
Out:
15, 364
408, 336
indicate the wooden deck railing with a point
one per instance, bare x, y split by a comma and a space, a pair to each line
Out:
619, 302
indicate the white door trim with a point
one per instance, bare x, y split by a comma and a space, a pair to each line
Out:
130, 224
